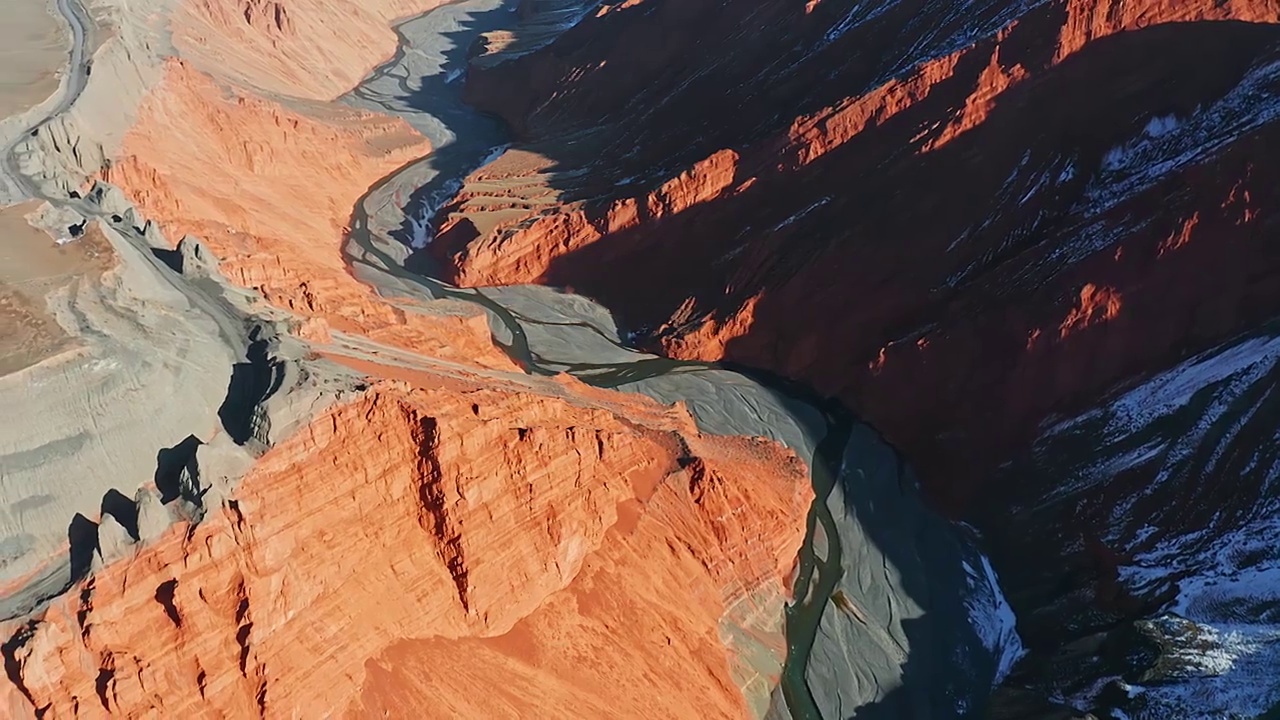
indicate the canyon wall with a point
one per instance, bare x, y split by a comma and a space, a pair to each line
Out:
1022, 207
511, 532
1014, 190
966, 220
281, 231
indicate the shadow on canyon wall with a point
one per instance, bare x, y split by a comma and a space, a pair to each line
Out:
252, 382
178, 486
883, 522
1215, 456
875, 264
915, 282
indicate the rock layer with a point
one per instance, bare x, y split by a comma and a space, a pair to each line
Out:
280, 233
596, 541
433, 516
1041, 267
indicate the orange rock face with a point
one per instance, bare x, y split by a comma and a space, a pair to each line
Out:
513, 253
297, 179
563, 550
313, 49
1097, 305
1092, 19
555, 544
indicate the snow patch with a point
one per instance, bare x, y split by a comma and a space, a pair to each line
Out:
1160, 126
993, 618
1174, 388
1227, 612
420, 218
1067, 174
801, 214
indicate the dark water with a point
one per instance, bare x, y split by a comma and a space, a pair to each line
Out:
803, 617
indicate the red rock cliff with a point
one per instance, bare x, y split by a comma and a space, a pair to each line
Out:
557, 544
960, 220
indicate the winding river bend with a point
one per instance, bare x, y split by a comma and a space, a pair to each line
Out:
876, 574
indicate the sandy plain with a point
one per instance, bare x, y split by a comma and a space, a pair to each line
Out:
33, 49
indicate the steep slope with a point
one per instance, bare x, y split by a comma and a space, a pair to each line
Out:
974, 138
311, 49
436, 515
967, 220
279, 233
1203, 432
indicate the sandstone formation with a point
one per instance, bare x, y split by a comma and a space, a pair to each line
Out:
1013, 227
506, 511
1044, 215
270, 467
280, 233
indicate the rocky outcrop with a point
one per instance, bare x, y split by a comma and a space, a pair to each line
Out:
591, 548
512, 533
521, 249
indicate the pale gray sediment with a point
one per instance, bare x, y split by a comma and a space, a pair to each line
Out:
14, 187
173, 381
178, 382
51, 151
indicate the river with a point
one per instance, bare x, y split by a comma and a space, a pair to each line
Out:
547, 331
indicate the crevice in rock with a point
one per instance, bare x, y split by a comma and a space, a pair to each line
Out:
85, 606
171, 258
13, 665
178, 473
106, 677
82, 537
164, 596
261, 697
244, 627
237, 529
242, 639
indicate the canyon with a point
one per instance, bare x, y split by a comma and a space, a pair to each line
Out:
557, 358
